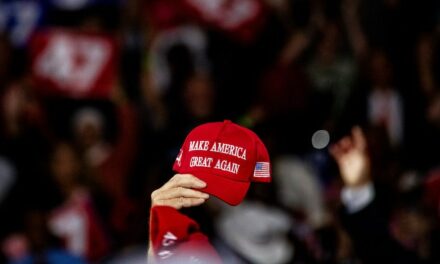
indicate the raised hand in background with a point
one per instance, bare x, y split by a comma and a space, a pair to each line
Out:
352, 158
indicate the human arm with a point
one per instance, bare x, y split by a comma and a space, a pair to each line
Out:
356, 36
364, 215
174, 236
350, 153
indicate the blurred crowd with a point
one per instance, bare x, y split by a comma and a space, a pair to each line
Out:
98, 95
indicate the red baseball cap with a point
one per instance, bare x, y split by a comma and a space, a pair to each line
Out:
226, 156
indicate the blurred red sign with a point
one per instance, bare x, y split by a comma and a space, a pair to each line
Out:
241, 18
73, 64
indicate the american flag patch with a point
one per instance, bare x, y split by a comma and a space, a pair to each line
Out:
262, 170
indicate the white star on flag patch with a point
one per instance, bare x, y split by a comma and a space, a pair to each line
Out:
262, 170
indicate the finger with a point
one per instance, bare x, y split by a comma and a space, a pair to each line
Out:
359, 140
189, 202
181, 192
336, 151
346, 144
184, 180
181, 202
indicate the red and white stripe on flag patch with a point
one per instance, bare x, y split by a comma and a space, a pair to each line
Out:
262, 169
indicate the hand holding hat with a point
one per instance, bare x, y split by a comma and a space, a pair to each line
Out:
219, 158
179, 192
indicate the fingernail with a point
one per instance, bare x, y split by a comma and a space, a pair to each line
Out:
205, 195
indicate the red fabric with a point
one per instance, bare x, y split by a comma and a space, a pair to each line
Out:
227, 157
73, 64
177, 238
98, 245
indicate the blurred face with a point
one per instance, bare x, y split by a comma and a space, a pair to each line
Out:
199, 97
18, 106
65, 166
13, 103
88, 134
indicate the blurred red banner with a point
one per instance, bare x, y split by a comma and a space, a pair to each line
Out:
73, 64
240, 18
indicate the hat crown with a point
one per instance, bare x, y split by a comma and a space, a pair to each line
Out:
224, 150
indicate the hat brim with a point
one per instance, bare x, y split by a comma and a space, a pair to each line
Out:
230, 191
